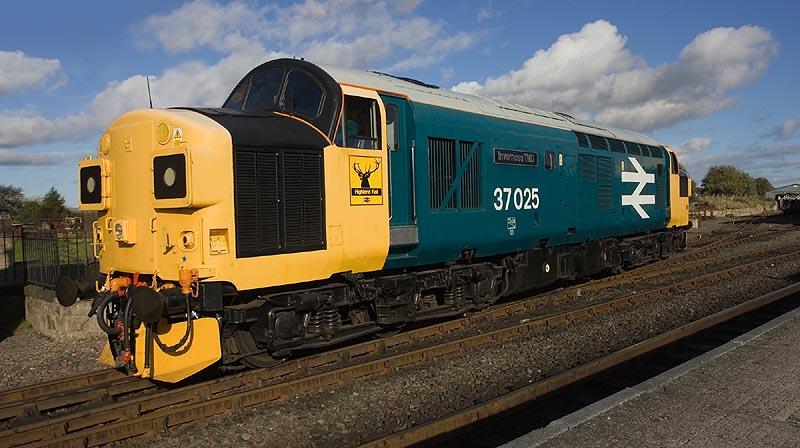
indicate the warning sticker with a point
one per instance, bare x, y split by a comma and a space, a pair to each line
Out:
366, 181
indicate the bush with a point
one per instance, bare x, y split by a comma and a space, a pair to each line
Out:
731, 181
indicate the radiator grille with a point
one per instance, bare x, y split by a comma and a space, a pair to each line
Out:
587, 166
278, 201
660, 186
604, 169
470, 180
604, 197
442, 169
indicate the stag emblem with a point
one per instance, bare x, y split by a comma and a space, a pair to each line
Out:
364, 176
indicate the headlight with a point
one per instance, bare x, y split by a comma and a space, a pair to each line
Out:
125, 231
91, 185
169, 176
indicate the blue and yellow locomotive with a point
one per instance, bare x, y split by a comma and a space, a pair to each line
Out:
321, 204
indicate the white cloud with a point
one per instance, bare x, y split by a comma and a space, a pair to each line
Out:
19, 71
487, 12
351, 33
593, 72
21, 158
21, 128
694, 145
471, 87
187, 84
785, 130
202, 23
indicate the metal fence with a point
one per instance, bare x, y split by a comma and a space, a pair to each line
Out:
12, 265
40, 256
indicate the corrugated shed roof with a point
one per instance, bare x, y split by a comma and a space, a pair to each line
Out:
792, 188
478, 104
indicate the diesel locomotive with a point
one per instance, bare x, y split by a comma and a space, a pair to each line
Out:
321, 204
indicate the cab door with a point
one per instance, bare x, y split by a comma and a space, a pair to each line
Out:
399, 148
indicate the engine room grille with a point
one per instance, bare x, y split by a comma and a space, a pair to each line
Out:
279, 201
660, 195
604, 197
587, 167
604, 169
470, 180
442, 169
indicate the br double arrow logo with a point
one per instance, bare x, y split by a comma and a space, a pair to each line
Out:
637, 199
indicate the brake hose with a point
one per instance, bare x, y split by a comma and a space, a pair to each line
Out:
101, 317
182, 342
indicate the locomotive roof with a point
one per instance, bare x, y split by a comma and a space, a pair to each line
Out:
420, 93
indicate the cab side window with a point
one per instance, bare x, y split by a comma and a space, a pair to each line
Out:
359, 127
673, 163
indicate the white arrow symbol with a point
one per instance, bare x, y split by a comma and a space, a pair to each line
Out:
637, 199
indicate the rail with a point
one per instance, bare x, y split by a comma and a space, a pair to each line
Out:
148, 413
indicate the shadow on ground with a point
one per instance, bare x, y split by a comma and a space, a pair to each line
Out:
12, 309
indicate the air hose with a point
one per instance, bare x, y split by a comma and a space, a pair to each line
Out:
185, 338
100, 310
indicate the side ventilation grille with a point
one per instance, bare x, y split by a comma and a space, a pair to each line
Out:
604, 183
278, 196
660, 186
442, 169
604, 197
604, 169
587, 167
470, 180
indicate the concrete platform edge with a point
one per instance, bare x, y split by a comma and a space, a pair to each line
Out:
539, 436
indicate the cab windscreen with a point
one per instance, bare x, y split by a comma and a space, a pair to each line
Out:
91, 187
169, 176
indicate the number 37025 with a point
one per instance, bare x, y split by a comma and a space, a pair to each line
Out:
518, 198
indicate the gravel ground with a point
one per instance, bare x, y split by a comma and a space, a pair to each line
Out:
27, 357
368, 409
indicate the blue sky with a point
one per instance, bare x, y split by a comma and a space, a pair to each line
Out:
716, 80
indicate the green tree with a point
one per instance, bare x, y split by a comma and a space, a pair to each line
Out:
728, 180
763, 185
11, 199
30, 212
52, 205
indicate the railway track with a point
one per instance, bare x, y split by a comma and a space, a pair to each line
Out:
150, 412
547, 417
103, 386
430, 430
94, 387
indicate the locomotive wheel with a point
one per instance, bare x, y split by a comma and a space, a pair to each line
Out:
246, 344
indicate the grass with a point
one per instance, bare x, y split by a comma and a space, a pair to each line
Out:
70, 249
729, 202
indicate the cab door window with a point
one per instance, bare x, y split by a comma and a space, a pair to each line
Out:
359, 127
